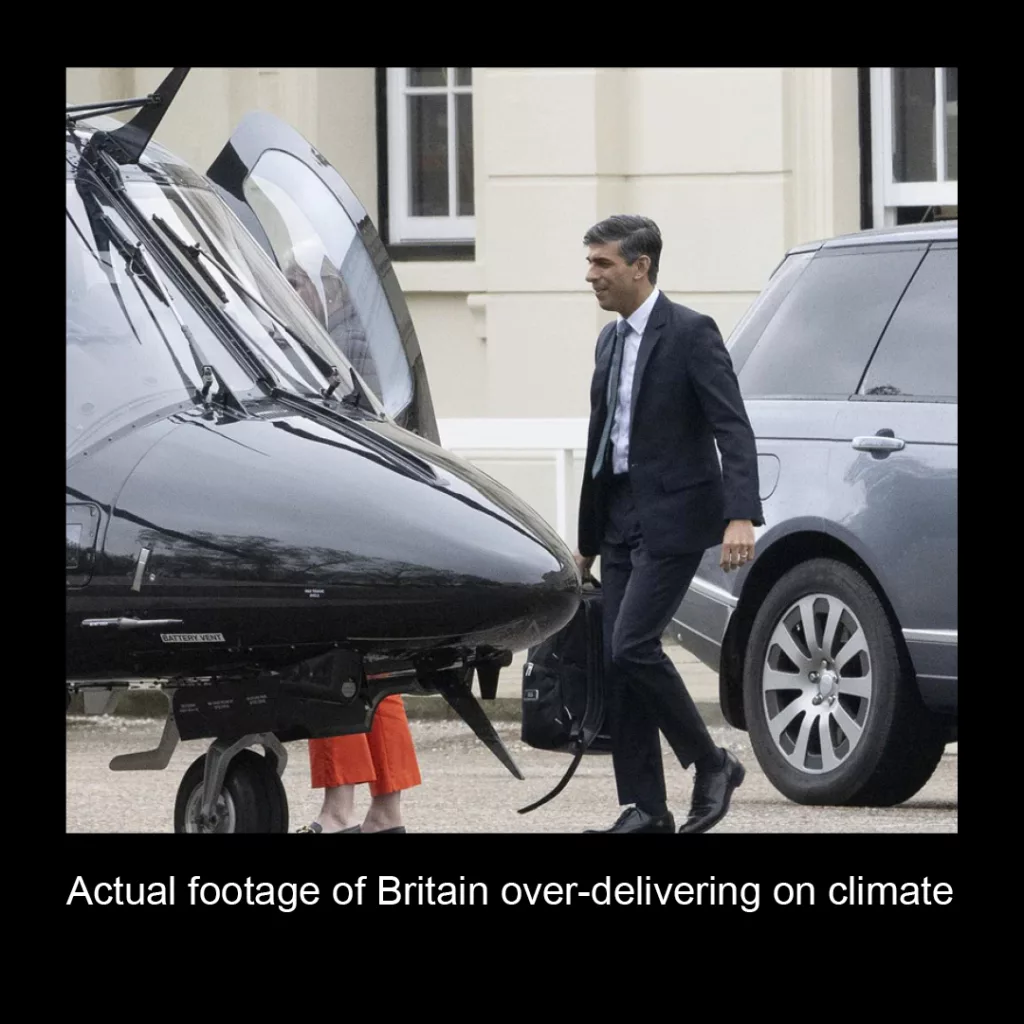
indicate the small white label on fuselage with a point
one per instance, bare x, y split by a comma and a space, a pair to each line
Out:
192, 638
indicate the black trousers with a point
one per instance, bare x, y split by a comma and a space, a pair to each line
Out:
647, 694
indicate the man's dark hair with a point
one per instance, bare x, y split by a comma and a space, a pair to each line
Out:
637, 236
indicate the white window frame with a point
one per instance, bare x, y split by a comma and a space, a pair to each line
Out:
888, 194
561, 441
402, 226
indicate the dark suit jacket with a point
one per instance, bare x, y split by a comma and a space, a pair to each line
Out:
685, 398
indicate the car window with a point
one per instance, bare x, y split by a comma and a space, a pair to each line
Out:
747, 332
917, 355
820, 340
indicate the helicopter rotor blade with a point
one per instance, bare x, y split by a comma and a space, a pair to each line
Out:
133, 136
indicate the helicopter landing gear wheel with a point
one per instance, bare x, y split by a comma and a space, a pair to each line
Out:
250, 799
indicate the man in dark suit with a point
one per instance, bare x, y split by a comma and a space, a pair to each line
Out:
654, 498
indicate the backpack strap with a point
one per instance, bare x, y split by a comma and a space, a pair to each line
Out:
586, 729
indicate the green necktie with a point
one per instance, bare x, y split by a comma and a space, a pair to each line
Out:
611, 394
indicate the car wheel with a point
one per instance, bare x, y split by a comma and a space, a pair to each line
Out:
833, 714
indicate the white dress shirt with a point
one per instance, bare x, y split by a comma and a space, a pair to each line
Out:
623, 407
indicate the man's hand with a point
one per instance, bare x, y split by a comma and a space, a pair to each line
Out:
738, 545
583, 564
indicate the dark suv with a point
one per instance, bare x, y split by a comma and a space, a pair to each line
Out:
837, 646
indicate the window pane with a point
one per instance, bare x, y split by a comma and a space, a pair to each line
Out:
428, 156
428, 76
925, 214
464, 150
463, 76
952, 120
819, 342
913, 144
918, 354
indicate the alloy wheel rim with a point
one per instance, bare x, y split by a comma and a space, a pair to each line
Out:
816, 683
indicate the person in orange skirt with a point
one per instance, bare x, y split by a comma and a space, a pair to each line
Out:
384, 757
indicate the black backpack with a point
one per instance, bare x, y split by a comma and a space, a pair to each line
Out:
563, 703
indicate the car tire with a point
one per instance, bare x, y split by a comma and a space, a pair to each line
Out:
857, 732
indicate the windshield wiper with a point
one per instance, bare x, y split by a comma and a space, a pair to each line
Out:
192, 252
259, 367
138, 266
133, 255
195, 251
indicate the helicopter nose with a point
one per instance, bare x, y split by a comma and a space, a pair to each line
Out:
490, 571
301, 534
515, 585
515, 571
468, 562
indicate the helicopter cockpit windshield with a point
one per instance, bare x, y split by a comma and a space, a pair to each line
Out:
270, 313
107, 299
126, 349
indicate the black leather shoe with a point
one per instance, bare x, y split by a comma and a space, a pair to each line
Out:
711, 794
632, 819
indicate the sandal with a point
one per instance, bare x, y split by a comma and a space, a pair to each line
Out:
317, 828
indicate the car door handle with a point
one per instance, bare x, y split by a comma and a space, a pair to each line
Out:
131, 623
879, 443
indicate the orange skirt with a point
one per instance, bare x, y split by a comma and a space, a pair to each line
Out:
384, 757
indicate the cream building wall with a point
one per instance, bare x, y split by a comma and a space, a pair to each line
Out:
734, 164
332, 107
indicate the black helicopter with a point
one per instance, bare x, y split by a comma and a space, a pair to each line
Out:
260, 518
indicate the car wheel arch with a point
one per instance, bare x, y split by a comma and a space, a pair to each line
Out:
784, 554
